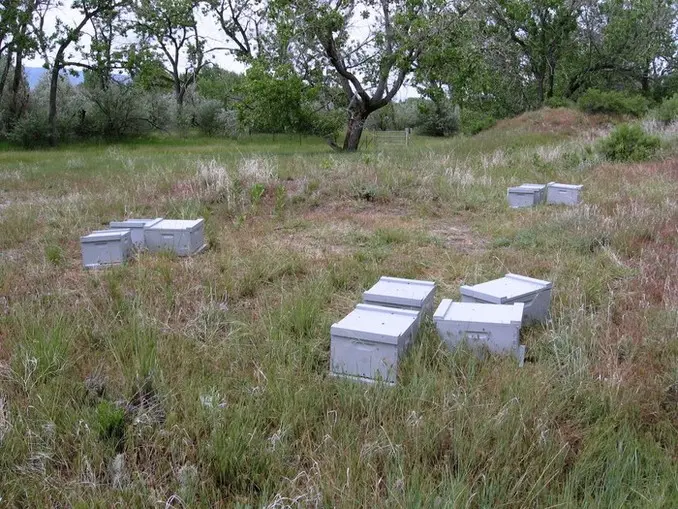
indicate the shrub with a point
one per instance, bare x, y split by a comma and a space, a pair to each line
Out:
558, 102
472, 122
111, 423
228, 123
612, 102
30, 131
668, 110
438, 119
208, 116
118, 112
54, 254
629, 143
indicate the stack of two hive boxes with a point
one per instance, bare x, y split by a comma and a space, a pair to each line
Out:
490, 314
530, 195
369, 342
115, 245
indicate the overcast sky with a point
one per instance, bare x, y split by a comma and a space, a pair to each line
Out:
207, 28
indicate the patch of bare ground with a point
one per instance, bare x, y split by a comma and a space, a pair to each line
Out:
330, 229
554, 120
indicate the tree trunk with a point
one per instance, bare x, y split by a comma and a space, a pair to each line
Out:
16, 109
354, 130
5, 72
552, 80
53, 84
540, 90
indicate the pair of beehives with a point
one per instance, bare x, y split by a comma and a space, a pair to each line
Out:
114, 246
369, 342
530, 195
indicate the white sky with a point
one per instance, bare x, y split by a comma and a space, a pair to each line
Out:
207, 29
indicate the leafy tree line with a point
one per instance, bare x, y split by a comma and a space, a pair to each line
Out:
322, 67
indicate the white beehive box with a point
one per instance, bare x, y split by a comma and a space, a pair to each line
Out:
541, 191
563, 194
183, 237
105, 247
495, 327
367, 344
136, 227
521, 197
535, 294
402, 293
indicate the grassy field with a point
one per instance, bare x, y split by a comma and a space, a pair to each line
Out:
203, 382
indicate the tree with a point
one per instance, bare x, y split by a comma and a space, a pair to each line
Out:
221, 85
242, 23
56, 46
274, 101
372, 69
465, 66
624, 43
169, 27
543, 31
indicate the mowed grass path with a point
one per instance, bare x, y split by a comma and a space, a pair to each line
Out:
203, 382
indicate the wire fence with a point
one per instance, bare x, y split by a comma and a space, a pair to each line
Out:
378, 139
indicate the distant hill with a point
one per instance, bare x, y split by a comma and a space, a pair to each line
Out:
34, 74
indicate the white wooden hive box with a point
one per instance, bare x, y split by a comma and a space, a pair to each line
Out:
495, 327
136, 227
563, 194
401, 293
522, 197
105, 247
535, 294
541, 190
367, 344
183, 237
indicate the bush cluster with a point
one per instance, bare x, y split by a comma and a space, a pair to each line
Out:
668, 110
628, 142
612, 102
472, 121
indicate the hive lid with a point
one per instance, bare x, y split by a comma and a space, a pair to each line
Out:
135, 223
539, 187
177, 224
104, 235
522, 190
575, 187
375, 323
477, 312
506, 288
400, 292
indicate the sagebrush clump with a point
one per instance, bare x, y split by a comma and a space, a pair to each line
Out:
668, 110
612, 102
629, 142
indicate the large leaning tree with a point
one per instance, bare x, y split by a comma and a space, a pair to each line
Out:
369, 47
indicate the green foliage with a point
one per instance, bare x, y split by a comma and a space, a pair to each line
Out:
119, 111
612, 102
110, 423
274, 101
558, 102
30, 131
219, 85
207, 116
54, 254
439, 118
628, 142
256, 193
668, 110
472, 122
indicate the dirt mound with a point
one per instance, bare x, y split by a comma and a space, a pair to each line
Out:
554, 120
